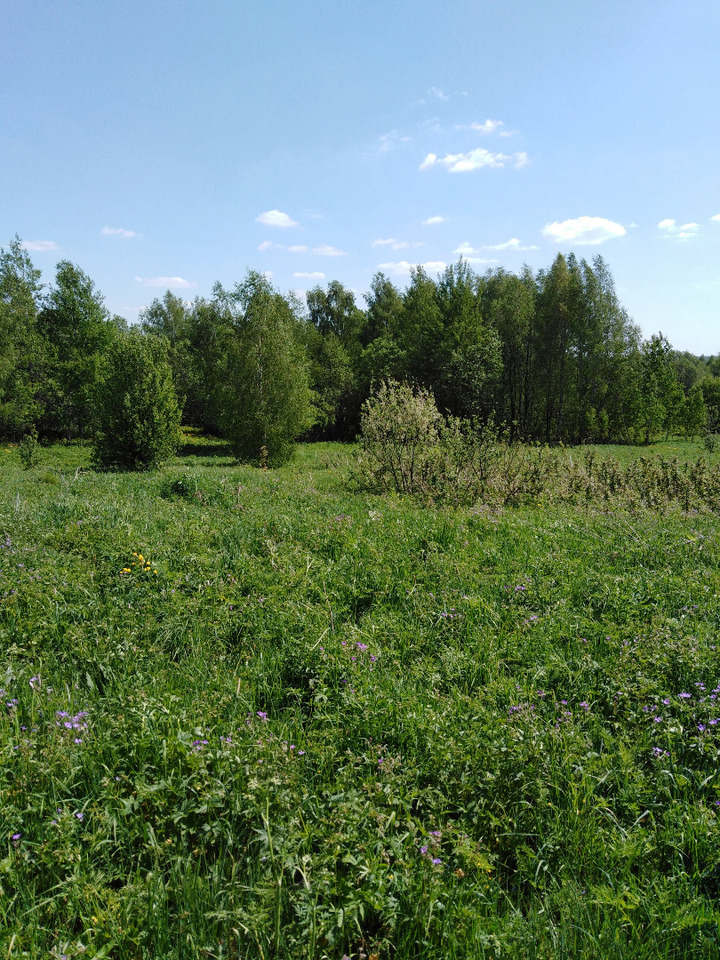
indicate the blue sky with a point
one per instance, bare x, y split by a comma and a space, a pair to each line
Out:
173, 144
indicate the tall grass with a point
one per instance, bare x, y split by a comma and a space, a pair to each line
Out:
334, 724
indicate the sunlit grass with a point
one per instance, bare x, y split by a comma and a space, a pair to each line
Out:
334, 724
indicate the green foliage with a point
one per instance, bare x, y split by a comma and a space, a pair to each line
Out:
264, 397
334, 723
29, 449
400, 440
22, 353
78, 331
407, 446
138, 417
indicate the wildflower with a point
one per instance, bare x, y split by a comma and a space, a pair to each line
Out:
685, 696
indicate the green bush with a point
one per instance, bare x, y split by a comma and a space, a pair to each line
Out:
138, 416
29, 449
400, 440
408, 446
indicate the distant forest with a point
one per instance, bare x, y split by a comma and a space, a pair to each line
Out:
551, 355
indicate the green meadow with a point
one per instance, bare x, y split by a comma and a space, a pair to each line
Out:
264, 714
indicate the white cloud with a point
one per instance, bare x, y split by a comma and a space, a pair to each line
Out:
467, 252
119, 232
438, 94
269, 245
687, 231
388, 141
490, 126
465, 249
716, 217
325, 250
473, 160
397, 244
317, 275
176, 283
403, 267
431, 221
39, 246
276, 218
512, 244
583, 230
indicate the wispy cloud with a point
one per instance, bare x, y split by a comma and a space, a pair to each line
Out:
490, 126
119, 232
438, 95
39, 246
716, 217
469, 253
388, 141
276, 218
432, 221
176, 283
397, 244
512, 244
316, 275
583, 230
325, 250
403, 267
686, 231
269, 245
473, 160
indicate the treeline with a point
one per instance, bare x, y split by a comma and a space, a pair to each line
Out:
552, 355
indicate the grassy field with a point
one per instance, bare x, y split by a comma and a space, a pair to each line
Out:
255, 714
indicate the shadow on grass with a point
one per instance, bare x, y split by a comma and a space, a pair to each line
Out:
212, 449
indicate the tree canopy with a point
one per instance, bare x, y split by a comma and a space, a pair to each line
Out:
553, 355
